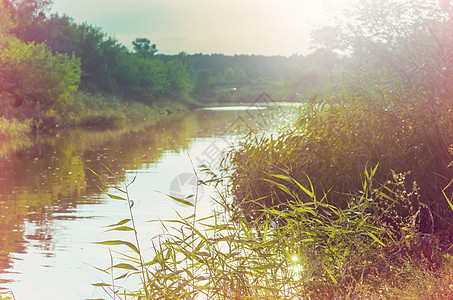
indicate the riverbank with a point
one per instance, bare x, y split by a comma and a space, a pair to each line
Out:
87, 111
353, 201
50, 197
359, 192
99, 111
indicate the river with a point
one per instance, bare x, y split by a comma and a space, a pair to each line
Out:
53, 208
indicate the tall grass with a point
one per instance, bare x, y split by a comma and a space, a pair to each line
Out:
334, 142
14, 135
13, 129
297, 250
85, 110
298, 217
88, 110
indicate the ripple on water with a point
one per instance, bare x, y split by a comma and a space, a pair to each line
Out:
234, 108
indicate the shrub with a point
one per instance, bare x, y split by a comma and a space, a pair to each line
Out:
33, 82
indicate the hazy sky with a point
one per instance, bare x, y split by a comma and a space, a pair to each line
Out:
268, 27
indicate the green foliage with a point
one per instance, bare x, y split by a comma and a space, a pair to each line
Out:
299, 249
389, 104
33, 81
333, 143
13, 129
95, 110
109, 67
144, 48
25, 16
204, 83
6, 22
281, 254
312, 75
234, 76
87, 42
298, 78
179, 84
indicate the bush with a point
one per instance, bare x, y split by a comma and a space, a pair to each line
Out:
33, 82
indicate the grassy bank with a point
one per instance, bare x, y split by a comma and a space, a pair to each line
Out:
89, 111
86, 111
13, 129
14, 134
352, 202
309, 180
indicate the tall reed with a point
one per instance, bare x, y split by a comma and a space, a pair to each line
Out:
334, 142
295, 250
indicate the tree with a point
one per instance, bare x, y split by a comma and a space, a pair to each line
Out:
323, 58
303, 79
99, 54
178, 79
60, 33
404, 45
26, 16
234, 75
203, 81
34, 82
144, 48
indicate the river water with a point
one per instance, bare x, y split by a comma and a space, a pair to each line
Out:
53, 207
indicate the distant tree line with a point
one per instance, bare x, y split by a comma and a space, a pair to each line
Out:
46, 58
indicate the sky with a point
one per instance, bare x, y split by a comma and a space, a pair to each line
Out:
260, 27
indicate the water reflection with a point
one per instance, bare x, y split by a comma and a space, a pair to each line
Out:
52, 206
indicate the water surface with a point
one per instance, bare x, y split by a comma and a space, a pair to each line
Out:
53, 207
